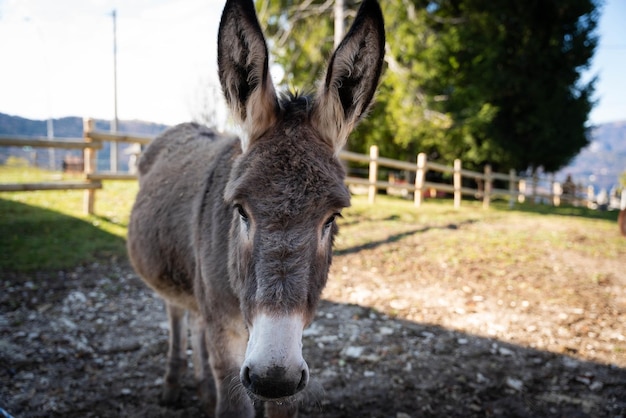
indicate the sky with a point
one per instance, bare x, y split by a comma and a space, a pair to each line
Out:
57, 59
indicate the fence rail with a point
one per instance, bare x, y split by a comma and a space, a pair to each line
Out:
517, 186
421, 187
40, 142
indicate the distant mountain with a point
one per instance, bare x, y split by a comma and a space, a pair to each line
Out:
603, 160
599, 164
72, 126
68, 127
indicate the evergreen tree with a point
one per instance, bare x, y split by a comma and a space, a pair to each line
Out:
519, 64
487, 82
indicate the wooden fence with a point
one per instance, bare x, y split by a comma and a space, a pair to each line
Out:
517, 187
90, 143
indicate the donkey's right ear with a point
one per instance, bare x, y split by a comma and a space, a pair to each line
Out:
352, 77
242, 60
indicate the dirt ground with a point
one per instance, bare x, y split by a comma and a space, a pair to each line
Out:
400, 333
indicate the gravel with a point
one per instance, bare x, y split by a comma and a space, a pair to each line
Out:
91, 342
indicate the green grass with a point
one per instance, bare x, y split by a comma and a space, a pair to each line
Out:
497, 229
47, 230
19, 172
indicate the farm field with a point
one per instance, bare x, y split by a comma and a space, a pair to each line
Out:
429, 312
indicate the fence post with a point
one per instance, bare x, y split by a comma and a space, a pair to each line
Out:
591, 196
512, 191
521, 196
535, 187
557, 191
373, 174
89, 163
488, 185
420, 175
457, 183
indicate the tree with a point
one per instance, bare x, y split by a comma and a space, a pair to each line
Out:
208, 106
487, 82
300, 35
519, 64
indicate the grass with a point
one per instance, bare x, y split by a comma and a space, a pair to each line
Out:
490, 243
47, 230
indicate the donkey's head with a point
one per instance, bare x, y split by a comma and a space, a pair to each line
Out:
286, 188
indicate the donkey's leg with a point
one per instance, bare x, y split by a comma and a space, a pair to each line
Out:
176, 354
202, 369
287, 410
227, 348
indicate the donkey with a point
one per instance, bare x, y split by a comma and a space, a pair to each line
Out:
239, 232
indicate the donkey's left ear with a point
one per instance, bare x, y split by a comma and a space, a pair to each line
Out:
242, 60
351, 78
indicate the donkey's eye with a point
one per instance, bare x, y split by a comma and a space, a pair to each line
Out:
242, 212
331, 219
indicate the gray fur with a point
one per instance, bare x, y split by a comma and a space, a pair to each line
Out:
233, 230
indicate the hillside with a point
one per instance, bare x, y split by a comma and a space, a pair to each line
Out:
67, 127
71, 126
600, 163
603, 160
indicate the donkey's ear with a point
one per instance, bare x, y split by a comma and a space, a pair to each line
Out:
242, 61
352, 76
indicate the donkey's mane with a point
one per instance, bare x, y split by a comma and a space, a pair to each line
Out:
295, 101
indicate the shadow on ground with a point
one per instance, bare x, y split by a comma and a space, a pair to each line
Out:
91, 342
33, 238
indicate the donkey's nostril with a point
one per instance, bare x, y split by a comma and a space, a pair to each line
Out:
304, 379
275, 383
245, 377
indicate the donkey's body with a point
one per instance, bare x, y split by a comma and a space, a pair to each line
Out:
182, 171
239, 233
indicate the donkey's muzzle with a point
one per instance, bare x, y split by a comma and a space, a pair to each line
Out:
273, 367
275, 383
